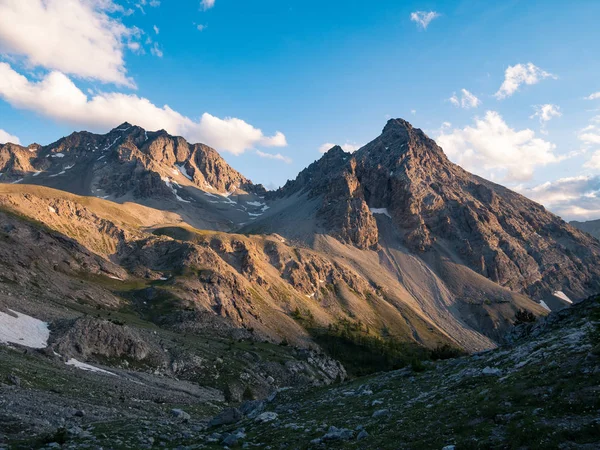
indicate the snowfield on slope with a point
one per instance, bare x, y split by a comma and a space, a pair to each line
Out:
83, 366
23, 330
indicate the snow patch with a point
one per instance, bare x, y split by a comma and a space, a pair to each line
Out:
103, 156
23, 330
544, 305
562, 296
37, 173
255, 214
18, 181
383, 211
58, 155
57, 174
255, 203
83, 366
69, 167
184, 172
169, 184
51, 209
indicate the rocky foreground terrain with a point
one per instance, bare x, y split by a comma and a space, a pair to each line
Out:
541, 389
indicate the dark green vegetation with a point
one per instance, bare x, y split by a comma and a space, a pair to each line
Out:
363, 353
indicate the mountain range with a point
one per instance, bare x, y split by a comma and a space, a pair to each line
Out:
394, 236
139, 256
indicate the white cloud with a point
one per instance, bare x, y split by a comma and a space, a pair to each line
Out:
590, 135
413, 111
571, 198
156, 29
201, 27
594, 96
546, 112
57, 97
7, 137
207, 4
423, 18
77, 37
515, 76
347, 147
277, 156
154, 3
466, 101
156, 51
491, 146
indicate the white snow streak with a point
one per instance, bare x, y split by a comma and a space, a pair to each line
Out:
383, 211
543, 303
83, 366
562, 296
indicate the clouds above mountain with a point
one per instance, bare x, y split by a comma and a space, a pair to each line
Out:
7, 137
57, 97
520, 74
491, 148
572, 197
76, 37
347, 147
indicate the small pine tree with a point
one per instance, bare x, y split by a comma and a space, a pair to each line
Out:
524, 316
248, 394
227, 394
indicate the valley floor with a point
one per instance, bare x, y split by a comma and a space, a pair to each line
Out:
541, 391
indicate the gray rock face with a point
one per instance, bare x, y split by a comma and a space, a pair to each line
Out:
336, 434
268, 416
180, 414
227, 417
491, 372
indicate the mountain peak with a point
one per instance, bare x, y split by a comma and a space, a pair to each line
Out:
397, 125
334, 152
124, 126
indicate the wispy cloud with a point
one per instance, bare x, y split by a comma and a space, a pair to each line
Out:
156, 50
423, 18
156, 29
594, 96
207, 4
57, 97
520, 74
545, 113
277, 156
467, 100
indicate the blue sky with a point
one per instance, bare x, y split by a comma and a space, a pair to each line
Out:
321, 72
